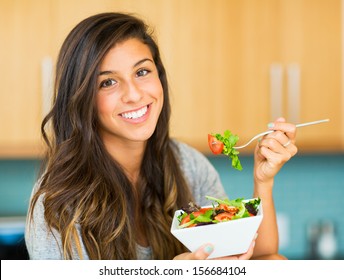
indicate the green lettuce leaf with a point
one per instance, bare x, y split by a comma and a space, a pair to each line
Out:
229, 140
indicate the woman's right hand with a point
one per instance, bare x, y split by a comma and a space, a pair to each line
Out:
204, 251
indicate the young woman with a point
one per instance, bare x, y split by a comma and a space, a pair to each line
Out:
113, 177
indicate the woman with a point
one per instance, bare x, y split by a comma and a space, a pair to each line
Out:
113, 177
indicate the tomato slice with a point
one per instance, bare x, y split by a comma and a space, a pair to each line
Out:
187, 219
204, 210
227, 208
224, 217
215, 145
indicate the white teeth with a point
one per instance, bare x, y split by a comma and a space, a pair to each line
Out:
136, 114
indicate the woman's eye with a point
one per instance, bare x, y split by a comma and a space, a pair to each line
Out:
107, 83
142, 72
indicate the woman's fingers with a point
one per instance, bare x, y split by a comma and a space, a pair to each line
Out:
282, 140
288, 129
279, 143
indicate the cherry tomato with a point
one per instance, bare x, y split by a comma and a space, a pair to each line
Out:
215, 145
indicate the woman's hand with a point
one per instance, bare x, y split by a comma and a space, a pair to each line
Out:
203, 253
274, 150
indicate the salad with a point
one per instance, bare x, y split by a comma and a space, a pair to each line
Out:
222, 210
224, 144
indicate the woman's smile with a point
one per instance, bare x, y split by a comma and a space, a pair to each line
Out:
136, 116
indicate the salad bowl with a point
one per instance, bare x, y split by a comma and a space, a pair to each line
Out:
229, 238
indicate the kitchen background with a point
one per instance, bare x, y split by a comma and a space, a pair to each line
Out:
232, 64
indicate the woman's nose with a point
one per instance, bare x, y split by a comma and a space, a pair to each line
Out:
132, 93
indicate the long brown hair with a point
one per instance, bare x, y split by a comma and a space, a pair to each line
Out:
85, 190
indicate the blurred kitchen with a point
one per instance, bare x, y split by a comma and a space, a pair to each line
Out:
232, 64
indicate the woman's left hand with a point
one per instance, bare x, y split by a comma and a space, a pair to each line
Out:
274, 150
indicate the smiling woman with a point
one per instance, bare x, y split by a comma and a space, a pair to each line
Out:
113, 177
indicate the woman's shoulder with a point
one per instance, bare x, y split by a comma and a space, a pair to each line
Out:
190, 159
185, 151
42, 241
198, 171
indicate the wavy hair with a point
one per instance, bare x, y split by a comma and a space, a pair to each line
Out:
86, 192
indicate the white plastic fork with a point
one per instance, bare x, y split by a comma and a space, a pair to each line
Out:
270, 131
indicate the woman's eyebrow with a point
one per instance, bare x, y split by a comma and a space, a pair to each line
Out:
142, 61
107, 72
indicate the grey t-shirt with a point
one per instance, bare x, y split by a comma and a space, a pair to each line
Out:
203, 180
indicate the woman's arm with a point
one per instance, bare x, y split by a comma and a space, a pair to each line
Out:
271, 153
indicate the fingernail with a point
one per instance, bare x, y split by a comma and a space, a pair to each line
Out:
208, 249
271, 125
255, 236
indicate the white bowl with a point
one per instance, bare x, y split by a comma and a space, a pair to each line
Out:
229, 238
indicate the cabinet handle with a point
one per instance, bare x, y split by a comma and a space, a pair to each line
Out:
47, 87
293, 92
276, 90
277, 98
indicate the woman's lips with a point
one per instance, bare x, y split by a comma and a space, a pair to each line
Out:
136, 115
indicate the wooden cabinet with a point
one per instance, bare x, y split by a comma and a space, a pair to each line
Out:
312, 40
218, 55
221, 76
24, 36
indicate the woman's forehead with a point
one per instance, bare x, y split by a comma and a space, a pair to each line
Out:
130, 51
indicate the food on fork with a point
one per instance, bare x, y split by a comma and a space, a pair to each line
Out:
224, 144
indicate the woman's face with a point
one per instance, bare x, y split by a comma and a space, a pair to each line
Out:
130, 94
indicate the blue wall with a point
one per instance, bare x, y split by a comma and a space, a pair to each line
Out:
16, 181
308, 189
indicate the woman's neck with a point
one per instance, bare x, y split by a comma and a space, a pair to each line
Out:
129, 155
